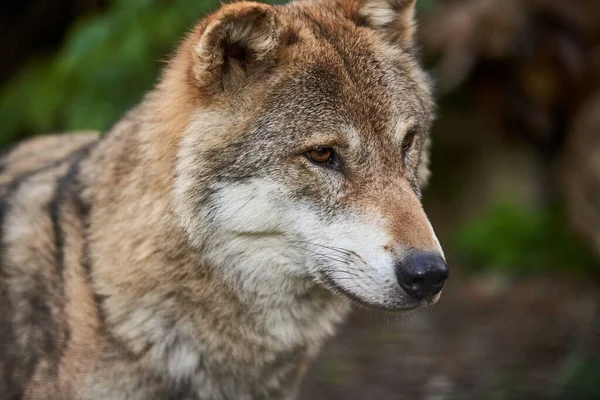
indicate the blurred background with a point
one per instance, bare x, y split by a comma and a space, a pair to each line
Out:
515, 193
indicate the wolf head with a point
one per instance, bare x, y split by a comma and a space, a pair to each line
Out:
306, 150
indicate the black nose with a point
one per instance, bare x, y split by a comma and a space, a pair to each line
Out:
422, 274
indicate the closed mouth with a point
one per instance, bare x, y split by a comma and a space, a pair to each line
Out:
408, 304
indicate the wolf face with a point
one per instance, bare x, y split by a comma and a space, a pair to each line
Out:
304, 158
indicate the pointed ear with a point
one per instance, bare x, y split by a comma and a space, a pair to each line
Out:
237, 43
395, 19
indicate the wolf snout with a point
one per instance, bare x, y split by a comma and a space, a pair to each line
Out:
422, 274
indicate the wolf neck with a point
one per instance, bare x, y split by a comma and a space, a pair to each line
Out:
161, 299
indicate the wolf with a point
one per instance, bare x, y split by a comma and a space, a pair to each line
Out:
208, 244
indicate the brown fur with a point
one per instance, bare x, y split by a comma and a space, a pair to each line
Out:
107, 283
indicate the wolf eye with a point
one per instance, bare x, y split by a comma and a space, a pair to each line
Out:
409, 138
321, 155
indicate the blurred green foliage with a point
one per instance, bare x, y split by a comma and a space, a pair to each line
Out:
426, 5
105, 65
580, 382
512, 237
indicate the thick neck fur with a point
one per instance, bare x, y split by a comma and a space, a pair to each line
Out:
160, 299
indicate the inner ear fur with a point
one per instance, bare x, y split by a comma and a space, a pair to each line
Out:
237, 44
394, 19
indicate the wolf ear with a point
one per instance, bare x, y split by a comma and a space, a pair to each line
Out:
237, 44
395, 19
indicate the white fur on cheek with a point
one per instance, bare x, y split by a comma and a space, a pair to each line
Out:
251, 243
247, 228
247, 207
350, 251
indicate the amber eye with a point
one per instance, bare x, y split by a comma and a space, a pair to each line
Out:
409, 138
321, 155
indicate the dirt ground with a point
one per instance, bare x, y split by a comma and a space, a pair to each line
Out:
488, 338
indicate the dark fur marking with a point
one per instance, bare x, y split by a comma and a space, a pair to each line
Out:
13, 185
182, 391
362, 22
293, 38
14, 378
66, 188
